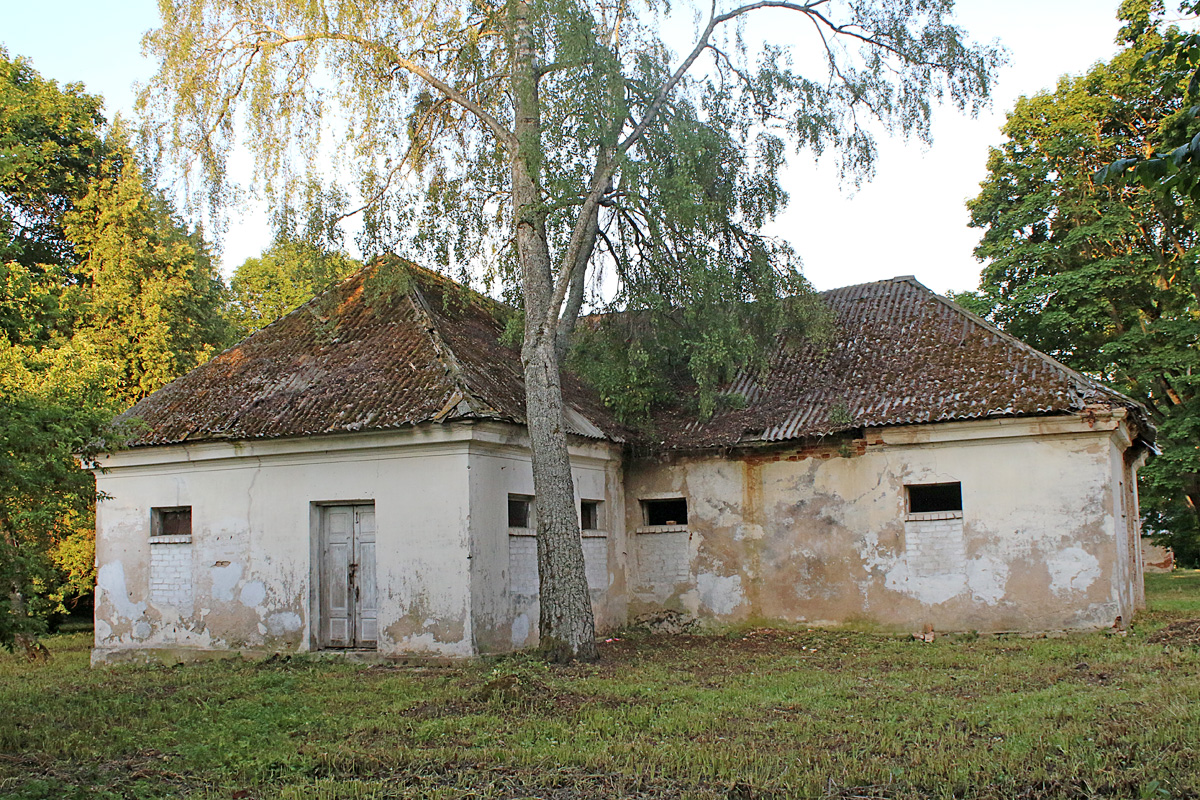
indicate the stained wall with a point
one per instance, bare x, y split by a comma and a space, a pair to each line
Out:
247, 572
245, 579
504, 559
822, 534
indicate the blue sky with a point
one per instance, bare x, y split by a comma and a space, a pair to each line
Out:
909, 221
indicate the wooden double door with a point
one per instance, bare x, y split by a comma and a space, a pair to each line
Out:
349, 607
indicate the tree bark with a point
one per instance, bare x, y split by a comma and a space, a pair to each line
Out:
566, 625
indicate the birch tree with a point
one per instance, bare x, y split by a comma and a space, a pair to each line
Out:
553, 141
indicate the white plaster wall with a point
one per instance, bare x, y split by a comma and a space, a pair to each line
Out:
819, 534
253, 544
504, 566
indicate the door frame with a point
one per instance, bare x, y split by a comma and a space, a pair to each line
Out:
316, 519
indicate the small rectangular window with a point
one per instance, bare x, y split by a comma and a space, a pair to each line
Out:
519, 506
589, 515
175, 521
934, 497
666, 512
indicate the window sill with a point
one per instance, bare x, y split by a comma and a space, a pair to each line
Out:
177, 539
594, 533
663, 529
522, 531
928, 516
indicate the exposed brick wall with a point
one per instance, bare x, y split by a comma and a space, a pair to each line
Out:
523, 569
663, 558
820, 450
522, 565
171, 572
595, 561
934, 543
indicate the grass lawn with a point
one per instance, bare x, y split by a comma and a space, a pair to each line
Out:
756, 713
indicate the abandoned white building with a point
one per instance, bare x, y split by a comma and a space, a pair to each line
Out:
356, 476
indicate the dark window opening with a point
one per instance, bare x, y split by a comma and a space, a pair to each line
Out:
932, 497
589, 515
171, 521
666, 512
518, 510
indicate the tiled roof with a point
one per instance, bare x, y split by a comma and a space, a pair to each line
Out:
899, 354
357, 359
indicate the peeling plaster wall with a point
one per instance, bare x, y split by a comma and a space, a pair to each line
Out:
504, 562
253, 548
819, 534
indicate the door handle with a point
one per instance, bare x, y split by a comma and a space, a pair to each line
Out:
353, 572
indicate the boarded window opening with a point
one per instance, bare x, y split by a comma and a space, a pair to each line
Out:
666, 512
934, 497
518, 510
171, 521
589, 515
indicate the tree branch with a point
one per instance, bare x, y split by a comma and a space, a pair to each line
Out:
502, 133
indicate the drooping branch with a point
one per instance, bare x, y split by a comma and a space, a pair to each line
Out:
394, 171
602, 176
503, 134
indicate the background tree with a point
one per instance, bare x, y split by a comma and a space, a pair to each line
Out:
289, 273
1104, 277
548, 140
149, 299
51, 146
104, 296
52, 406
1172, 163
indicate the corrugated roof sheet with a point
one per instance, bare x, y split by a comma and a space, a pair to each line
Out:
355, 360
900, 354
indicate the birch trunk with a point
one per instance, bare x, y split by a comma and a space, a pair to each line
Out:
566, 626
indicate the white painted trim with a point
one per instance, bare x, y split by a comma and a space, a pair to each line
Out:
416, 442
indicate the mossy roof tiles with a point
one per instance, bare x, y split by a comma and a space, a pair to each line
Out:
355, 360
899, 354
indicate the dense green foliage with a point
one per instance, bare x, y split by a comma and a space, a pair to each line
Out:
1105, 277
104, 297
52, 407
149, 299
1171, 164
286, 275
765, 714
51, 144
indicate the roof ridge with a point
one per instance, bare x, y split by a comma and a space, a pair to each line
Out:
448, 283
458, 378
897, 279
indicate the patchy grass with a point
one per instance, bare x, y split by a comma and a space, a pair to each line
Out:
1175, 592
757, 713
